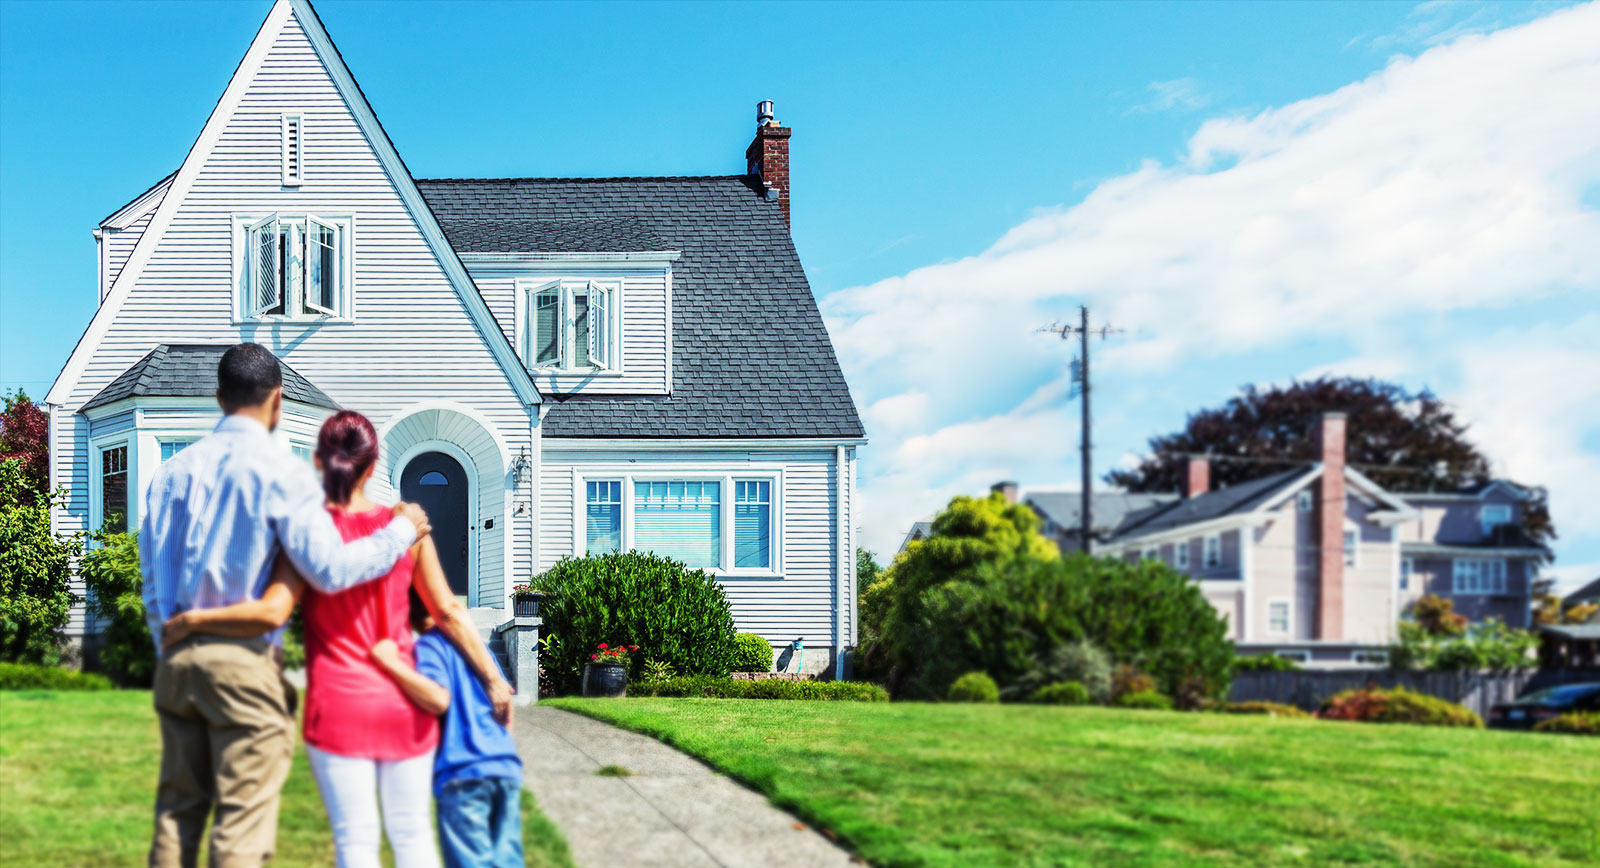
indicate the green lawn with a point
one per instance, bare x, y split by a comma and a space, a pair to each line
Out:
910, 784
78, 777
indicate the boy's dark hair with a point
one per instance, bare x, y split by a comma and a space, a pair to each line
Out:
246, 375
419, 611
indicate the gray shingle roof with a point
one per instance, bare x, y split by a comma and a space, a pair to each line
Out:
1110, 508
751, 357
190, 371
1213, 504
1585, 594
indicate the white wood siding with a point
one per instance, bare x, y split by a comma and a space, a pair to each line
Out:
411, 339
800, 603
119, 244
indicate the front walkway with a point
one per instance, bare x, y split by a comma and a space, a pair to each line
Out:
673, 812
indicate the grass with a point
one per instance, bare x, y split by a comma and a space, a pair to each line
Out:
78, 780
613, 771
910, 784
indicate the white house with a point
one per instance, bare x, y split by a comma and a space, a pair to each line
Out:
555, 366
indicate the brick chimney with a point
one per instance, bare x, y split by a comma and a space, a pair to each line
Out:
1007, 489
1330, 526
768, 156
1196, 477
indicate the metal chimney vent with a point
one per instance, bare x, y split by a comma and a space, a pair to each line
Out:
764, 113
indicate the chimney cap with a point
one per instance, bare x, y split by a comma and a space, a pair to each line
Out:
764, 114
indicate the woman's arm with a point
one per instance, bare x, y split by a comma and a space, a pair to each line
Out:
242, 620
454, 623
420, 689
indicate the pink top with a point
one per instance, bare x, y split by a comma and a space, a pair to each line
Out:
352, 707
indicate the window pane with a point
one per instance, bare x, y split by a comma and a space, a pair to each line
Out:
604, 520
302, 452
170, 448
580, 330
752, 524
321, 249
679, 520
269, 298
114, 489
1350, 548
547, 328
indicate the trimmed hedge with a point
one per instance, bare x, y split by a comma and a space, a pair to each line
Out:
1061, 693
1271, 709
751, 653
1572, 723
1376, 705
974, 687
772, 688
1147, 699
31, 676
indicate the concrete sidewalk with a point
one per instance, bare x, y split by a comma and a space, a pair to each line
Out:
673, 812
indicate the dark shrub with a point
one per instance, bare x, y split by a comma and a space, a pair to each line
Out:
674, 614
110, 570
31, 676
1061, 693
751, 653
35, 569
728, 688
974, 687
1376, 705
1081, 662
1127, 679
1572, 723
1264, 663
1271, 709
1148, 699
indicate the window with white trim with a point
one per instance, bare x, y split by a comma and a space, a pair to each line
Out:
1406, 566
303, 451
1180, 555
752, 524
1278, 612
603, 516
296, 268
1305, 500
114, 488
679, 520
170, 448
730, 523
1478, 576
293, 150
1493, 515
1352, 543
1212, 555
1378, 657
573, 325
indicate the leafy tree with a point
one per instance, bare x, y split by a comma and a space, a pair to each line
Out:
111, 575
1402, 440
25, 438
35, 568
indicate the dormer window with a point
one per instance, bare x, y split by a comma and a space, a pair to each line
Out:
572, 326
1493, 515
295, 267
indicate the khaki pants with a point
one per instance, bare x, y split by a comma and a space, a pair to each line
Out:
227, 738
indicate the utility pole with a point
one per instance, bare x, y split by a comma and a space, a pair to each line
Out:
1080, 377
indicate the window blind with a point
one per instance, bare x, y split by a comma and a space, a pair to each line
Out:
752, 524
679, 520
603, 523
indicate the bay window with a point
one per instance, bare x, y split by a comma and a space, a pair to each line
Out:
114, 488
727, 523
572, 325
295, 267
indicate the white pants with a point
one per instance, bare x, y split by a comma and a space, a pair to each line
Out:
351, 788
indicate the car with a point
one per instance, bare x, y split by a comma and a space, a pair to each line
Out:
1545, 704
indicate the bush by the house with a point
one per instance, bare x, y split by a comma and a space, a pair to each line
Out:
728, 688
751, 653
35, 568
1150, 699
1270, 709
1397, 705
1081, 662
110, 571
1572, 723
1127, 679
34, 676
1061, 693
679, 615
1489, 644
974, 687
1264, 663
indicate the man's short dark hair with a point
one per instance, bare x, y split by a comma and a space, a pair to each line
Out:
246, 375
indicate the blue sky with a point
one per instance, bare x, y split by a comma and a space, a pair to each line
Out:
988, 167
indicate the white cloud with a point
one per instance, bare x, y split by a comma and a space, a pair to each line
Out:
1184, 94
1449, 181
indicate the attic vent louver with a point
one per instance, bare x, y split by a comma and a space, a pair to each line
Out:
292, 150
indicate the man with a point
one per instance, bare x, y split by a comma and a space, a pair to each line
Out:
215, 517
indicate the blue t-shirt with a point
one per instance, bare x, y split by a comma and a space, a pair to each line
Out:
472, 744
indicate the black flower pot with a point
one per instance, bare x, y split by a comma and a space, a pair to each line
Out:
605, 679
526, 605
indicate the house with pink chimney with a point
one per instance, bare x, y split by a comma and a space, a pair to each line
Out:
1320, 563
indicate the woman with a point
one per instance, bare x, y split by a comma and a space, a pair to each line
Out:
364, 738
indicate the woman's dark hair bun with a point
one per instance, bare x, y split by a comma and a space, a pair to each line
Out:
347, 446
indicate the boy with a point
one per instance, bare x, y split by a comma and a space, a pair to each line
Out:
477, 775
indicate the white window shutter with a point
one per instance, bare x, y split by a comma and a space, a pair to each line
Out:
600, 340
321, 264
265, 271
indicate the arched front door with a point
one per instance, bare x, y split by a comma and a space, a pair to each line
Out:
437, 482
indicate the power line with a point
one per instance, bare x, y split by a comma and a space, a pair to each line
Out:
1080, 377
1387, 468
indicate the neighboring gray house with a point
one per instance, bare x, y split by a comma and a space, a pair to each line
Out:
559, 366
1319, 563
1061, 512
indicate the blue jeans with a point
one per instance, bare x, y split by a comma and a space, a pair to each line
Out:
480, 823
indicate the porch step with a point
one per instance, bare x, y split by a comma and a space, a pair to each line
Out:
486, 619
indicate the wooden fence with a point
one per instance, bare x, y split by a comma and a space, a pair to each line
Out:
1475, 690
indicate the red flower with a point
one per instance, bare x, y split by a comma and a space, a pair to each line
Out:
633, 647
602, 646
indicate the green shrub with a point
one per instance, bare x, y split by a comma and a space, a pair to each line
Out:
1488, 644
771, 688
1061, 693
1127, 679
1399, 705
32, 676
110, 570
1572, 723
1264, 663
35, 571
1271, 709
751, 653
1080, 661
1149, 699
974, 687
675, 615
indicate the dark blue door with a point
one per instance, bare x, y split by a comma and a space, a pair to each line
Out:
437, 483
